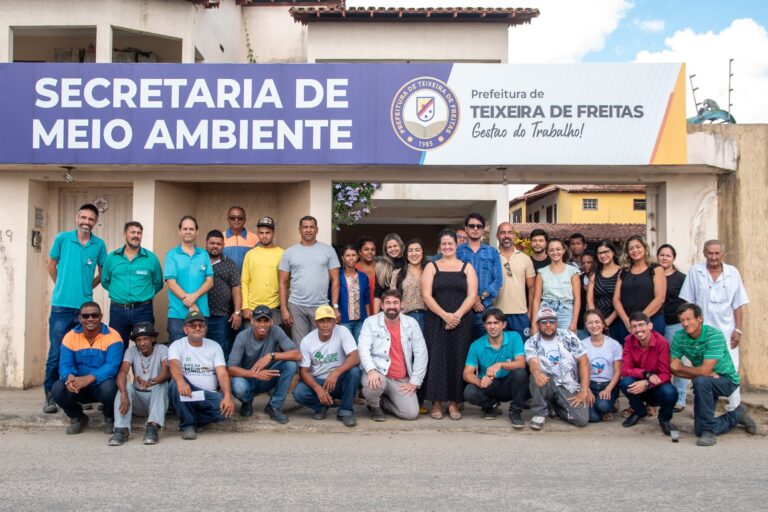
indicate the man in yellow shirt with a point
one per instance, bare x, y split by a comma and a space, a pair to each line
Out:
259, 279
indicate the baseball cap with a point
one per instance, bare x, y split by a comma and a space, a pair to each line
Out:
267, 222
546, 313
143, 329
325, 312
194, 316
262, 311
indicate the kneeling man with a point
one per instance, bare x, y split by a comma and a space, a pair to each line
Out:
713, 375
198, 370
645, 378
328, 368
495, 369
148, 396
90, 356
393, 355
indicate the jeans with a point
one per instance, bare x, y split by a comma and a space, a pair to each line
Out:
245, 389
564, 310
519, 323
69, 402
61, 321
614, 331
175, 329
196, 414
152, 403
663, 396
658, 325
478, 328
601, 406
354, 327
345, 390
420, 316
706, 391
558, 397
680, 383
122, 320
220, 331
511, 388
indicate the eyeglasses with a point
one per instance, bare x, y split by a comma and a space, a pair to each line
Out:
87, 316
600, 253
508, 269
548, 321
196, 325
475, 226
237, 217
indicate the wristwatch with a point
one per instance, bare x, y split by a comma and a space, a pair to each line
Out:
239, 313
272, 354
335, 306
484, 295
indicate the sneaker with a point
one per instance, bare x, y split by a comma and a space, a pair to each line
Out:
50, 407
188, 433
517, 420
77, 425
537, 422
151, 436
119, 437
489, 413
707, 438
109, 425
320, 415
377, 414
276, 414
246, 409
348, 421
746, 420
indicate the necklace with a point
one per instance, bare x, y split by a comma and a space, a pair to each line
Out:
145, 367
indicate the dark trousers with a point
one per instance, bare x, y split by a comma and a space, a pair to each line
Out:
478, 328
196, 414
706, 391
511, 388
519, 323
601, 407
69, 402
663, 396
61, 321
122, 320
220, 331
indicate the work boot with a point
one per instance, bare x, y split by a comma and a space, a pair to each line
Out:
246, 409
188, 433
746, 420
50, 406
276, 414
348, 421
707, 438
377, 414
150, 436
109, 425
489, 413
119, 437
77, 425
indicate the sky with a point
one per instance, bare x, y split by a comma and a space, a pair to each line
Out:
704, 34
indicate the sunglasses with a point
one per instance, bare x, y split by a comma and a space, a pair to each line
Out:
508, 269
475, 226
237, 217
87, 316
196, 325
548, 321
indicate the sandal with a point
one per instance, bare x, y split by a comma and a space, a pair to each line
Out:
454, 414
436, 414
626, 413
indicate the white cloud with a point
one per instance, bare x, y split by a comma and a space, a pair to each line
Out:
650, 26
706, 55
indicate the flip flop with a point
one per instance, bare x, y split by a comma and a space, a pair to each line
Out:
436, 415
454, 415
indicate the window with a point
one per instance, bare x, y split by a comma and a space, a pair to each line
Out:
555, 221
535, 216
530, 218
638, 205
517, 216
550, 216
589, 204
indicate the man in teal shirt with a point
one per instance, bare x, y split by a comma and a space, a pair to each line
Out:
495, 369
74, 258
189, 275
132, 276
713, 374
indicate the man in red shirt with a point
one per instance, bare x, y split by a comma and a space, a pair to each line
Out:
393, 354
645, 376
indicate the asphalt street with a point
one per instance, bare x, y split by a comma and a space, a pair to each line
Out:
380, 470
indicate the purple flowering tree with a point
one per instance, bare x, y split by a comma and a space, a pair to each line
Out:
352, 202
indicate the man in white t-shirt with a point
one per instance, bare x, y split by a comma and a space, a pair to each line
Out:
198, 370
329, 368
148, 395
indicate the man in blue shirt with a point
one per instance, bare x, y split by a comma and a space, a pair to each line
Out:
189, 275
495, 369
74, 258
487, 264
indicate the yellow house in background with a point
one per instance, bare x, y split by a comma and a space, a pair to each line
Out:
580, 204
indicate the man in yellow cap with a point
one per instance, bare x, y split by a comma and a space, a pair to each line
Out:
329, 368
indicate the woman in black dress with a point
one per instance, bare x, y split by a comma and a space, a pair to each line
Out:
449, 289
602, 285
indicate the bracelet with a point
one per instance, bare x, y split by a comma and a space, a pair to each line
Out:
738, 331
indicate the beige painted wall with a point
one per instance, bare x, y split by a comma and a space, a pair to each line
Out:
293, 204
36, 330
274, 36
214, 201
220, 26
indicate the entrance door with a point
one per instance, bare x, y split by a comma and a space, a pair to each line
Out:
116, 207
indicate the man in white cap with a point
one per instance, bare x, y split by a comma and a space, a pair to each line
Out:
559, 369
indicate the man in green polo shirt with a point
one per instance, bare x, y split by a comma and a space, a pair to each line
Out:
132, 276
713, 374
74, 258
495, 369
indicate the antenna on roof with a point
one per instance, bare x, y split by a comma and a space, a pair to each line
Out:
693, 93
730, 89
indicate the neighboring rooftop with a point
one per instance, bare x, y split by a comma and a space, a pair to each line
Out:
508, 15
592, 232
544, 190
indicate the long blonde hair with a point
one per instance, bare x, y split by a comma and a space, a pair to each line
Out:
385, 266
626, 261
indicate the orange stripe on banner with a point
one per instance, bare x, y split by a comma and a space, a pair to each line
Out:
661, 128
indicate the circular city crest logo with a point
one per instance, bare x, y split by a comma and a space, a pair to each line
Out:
424, 113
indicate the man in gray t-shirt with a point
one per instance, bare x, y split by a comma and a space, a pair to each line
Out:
306, 270
256, 366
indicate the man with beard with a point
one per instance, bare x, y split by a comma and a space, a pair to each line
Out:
393, 355
539, 239
132, 275
74, 258
519, 275
225, 297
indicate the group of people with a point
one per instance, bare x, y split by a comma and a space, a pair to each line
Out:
398, 332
